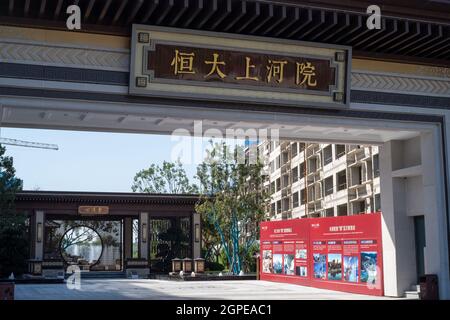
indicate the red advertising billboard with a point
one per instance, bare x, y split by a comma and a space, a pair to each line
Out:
336, 253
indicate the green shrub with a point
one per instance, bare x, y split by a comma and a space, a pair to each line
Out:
13, 231
14, 246
214, 266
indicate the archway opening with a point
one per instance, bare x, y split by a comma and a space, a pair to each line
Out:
81, 246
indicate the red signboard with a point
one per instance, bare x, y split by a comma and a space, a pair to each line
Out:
337, 253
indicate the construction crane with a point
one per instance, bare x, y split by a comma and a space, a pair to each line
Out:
28, 144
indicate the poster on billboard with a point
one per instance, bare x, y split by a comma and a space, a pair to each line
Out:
338, 253
267, 261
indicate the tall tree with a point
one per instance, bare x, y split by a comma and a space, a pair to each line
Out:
168, 178
13, 230
233, 197
211, 242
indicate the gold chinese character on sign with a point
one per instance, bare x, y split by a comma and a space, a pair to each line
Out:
215, 66
248, 67
183, 63
275, 70
306, 73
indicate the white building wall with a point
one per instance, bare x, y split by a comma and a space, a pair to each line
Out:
317, 201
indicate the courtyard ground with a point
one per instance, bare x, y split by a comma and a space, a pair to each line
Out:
126, 289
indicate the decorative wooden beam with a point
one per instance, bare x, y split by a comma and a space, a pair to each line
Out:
26, 8
88, 11
137, 5
344, 23
42, 8
58, 9
223, 10
193, 13
104, 11
11, 7
151, 7
292, 17
305, 21
280, 15
119, 11
210, 11
169, 5
265, 18
254, 13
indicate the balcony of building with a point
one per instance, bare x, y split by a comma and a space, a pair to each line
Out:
327, 154
313, 164
314, 177
342, 210
314, 197
360, 206
312, 149
359, 192
299, 212
286, 215
358, 156
354, 148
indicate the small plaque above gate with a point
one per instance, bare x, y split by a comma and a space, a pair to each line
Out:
93, 210
215, 66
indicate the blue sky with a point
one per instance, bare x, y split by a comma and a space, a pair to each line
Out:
86, 161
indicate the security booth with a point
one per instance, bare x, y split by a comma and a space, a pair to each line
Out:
120, 233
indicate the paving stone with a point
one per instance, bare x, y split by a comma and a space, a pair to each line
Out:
126, 289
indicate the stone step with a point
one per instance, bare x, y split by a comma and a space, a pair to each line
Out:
415, 287
102, 275
412, 295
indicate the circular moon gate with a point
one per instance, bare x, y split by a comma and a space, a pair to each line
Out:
81, 246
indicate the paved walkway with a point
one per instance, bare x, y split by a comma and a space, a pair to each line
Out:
125, 289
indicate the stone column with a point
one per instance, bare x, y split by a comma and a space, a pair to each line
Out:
39, 220
436, 232
127, 238
144, 235
196, 243
388, 221
397, 228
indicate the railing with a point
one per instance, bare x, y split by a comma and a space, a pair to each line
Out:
361, 191
342, 186
327, 160
340, 154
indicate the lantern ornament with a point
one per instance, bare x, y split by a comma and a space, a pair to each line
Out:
187, 265
199, 265
176, 265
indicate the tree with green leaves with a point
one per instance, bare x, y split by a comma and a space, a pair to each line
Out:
13, 230
232, 197
168, 178
171, 243
211, 242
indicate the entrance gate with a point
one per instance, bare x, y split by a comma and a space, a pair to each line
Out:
81, 81
90, 245
136, 234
